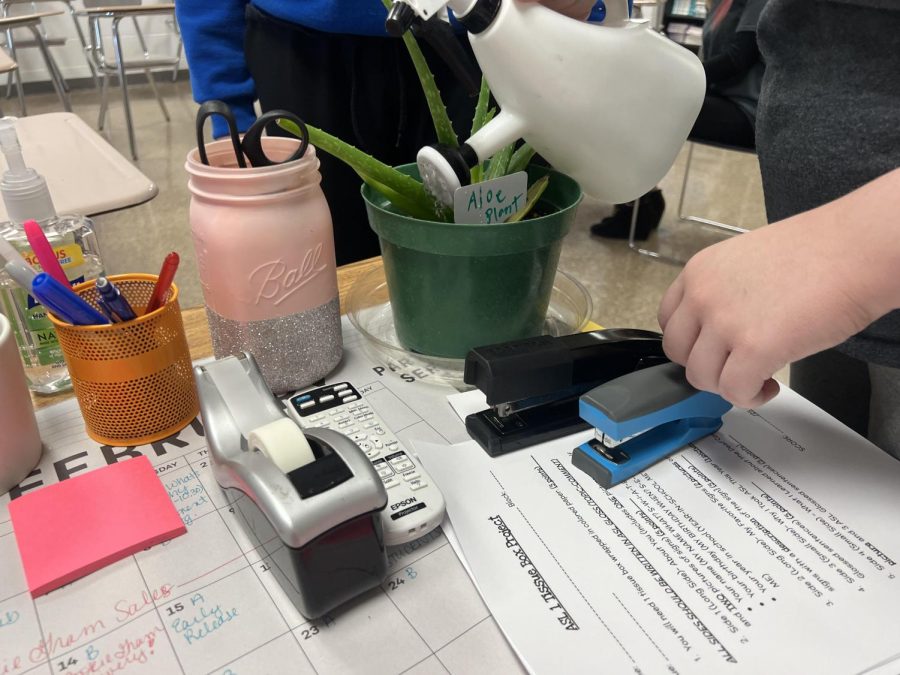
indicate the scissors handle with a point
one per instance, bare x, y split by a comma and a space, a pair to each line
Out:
208, 109
252, 142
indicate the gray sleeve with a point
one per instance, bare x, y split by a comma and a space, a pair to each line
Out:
750, 16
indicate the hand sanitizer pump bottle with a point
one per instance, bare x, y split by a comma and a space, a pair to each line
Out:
26, 197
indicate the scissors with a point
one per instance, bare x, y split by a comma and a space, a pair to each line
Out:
251, 144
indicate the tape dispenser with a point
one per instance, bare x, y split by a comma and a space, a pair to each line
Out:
311, 500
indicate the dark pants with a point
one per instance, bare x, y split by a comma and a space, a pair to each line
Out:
724, 123
365, 91
827, 378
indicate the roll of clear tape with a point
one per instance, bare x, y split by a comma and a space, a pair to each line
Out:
283, 442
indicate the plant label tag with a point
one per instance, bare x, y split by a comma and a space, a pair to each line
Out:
491, 201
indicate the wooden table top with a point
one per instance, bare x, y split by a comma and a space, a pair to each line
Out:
197, 330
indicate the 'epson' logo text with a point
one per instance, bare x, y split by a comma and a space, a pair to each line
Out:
405, 502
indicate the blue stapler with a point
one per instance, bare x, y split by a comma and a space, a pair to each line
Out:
650, 414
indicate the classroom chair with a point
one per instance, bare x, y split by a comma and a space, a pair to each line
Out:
707, 222
117, 64
32, 23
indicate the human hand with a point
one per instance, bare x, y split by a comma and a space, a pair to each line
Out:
748, 306
576, 9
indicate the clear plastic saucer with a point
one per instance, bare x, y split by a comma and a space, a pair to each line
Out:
369, 310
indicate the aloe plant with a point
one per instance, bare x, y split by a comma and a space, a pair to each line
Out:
407, 193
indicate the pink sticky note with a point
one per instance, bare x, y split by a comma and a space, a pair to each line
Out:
72, 528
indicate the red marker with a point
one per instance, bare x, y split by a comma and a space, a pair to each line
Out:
163, 283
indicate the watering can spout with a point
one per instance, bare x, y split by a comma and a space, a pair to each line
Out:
610, 104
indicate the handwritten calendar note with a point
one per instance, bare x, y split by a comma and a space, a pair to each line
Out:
207, 602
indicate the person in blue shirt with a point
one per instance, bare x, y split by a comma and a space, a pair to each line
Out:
333, 65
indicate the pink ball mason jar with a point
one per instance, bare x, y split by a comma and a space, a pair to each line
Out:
265, 251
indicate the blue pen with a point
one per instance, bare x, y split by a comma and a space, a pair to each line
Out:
114, 300
64, 302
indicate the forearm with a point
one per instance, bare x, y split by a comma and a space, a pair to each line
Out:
869, 219
213, 34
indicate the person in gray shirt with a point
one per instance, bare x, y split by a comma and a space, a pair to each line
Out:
818, 287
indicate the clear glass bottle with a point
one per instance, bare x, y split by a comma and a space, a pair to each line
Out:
27, 197
73, 240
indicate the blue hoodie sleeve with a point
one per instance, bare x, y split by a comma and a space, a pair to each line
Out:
213, 34
598, 13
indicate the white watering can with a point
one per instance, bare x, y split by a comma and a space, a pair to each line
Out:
609, 104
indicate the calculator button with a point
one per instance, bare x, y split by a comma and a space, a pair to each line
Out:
326, 398
390, 482
417, 484
402, 465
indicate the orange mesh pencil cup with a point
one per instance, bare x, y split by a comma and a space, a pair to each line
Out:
133, 380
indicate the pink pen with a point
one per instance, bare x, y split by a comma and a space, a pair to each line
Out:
44, 251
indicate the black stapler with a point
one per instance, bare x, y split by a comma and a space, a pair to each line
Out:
533, 385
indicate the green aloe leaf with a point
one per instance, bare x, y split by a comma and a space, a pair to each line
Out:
408, 206
412, 191
442, 125
535, 191
520, 158
499, 162
479, 119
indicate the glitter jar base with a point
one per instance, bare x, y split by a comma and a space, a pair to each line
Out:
292, 351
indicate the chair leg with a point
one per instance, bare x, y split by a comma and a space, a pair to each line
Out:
85, 48
140, 35
104, 100
20, 94
51, 68
162, 104
58, 73
633, 245
11, 48
733, 229
120, 63
177, 55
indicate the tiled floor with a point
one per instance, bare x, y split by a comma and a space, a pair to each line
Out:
625, 287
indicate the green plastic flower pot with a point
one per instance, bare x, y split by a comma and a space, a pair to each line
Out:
456, 286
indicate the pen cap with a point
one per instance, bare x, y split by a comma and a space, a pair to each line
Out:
24, 190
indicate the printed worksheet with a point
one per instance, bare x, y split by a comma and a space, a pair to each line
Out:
207, 602
770, 547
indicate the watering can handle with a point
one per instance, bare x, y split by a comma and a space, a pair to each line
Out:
616, 12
